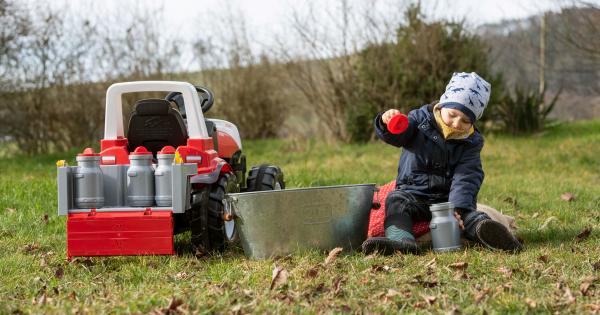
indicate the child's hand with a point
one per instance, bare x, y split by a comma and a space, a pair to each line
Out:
389, 114
460, 221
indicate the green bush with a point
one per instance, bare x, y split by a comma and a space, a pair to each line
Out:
414, 70
524, 111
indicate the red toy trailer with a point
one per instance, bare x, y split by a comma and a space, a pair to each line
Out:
168, 175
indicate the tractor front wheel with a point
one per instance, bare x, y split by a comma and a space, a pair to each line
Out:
207, 224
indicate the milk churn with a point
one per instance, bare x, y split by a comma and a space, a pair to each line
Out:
445, 231
162, 176
88, 186
140, 179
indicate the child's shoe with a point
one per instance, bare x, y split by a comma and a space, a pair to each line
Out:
386, 246
494, 235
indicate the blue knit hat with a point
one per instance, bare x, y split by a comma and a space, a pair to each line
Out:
467, 92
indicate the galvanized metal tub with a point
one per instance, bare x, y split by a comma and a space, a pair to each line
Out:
279, 222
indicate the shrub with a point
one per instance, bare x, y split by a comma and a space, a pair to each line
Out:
414, 70
524, 111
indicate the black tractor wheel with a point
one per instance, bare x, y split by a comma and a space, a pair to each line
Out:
265, 177
207, 224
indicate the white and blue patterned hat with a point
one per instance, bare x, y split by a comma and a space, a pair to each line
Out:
467, 92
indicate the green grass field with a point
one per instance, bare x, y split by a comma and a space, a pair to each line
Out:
525, 177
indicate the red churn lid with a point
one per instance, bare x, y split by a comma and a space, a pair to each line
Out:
397, 124
167, 150
88, 152
140, 151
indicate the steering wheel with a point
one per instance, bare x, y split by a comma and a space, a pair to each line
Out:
206, 99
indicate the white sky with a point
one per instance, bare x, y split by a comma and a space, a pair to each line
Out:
267, 20
265, 15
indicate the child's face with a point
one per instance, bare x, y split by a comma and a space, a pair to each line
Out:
456, 119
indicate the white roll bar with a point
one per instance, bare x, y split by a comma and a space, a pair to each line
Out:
113, 119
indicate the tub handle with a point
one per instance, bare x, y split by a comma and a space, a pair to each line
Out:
376, 204
228, 208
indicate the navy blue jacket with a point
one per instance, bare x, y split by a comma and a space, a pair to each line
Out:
434, 168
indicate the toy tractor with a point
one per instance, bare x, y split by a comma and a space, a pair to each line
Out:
170, 174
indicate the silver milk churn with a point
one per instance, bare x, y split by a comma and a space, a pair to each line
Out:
140, 179
162, 176
445, 231
88, 185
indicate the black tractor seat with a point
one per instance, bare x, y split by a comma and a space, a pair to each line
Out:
154, 123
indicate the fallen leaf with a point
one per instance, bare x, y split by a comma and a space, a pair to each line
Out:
10, 210
337, 286
430, 299
461, 275
459, 265
45, 218
59, 273
379, 268
279, 278
43, 262
543, 258
569, 295
567, 197
312, 272
431, 264
333, 255
531, 303
596, 266
392, 293
593, 307
181, 275
173, 306
535, 215
583, 235
31, 247
586, 284
454, 311
506, 271
425, 283
481, 295
371, 256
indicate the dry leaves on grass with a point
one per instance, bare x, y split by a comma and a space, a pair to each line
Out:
279, 277
426, 283
461, 265
333, 254
507, 272
59, 273
181, 276
531, 303
45, 218
543, 258
312, 272
587, 284
172, 309
596, 265
481, 295
380, 268
30, 248
583, 235
567, 197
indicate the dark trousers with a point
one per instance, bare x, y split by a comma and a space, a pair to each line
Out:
403, 208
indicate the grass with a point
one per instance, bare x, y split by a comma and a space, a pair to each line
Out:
525, 178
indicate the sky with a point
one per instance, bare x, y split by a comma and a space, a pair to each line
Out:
268, 21
265, 15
